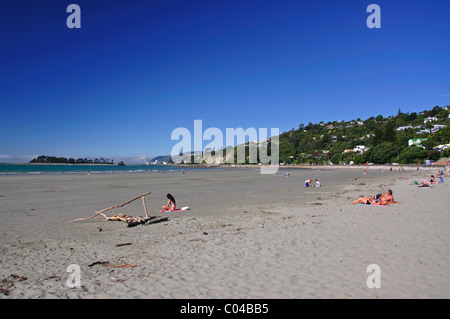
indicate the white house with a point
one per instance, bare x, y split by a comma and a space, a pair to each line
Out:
402, 128
430, 119
416, 141
360, 149
442, 147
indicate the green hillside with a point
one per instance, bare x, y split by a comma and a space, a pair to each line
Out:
384, 139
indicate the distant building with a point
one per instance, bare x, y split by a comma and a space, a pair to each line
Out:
358, 149
416, 141
441, 147
402, 128
433, 130
430, 119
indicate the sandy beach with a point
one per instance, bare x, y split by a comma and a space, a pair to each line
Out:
246, 235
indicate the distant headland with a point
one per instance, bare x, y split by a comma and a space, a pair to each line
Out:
44, 159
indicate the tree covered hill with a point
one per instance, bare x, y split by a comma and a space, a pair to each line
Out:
376, 139
44, 159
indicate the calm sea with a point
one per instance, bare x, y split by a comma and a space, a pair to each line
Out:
13, 169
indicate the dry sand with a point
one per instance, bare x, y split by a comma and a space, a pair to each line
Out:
246, 236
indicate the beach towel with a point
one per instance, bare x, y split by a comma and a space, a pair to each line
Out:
176, 210
380, 205
371, 205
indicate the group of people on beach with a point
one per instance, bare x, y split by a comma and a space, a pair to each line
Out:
378, 199
309, 183
427, 183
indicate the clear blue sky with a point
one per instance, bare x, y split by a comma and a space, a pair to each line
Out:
136, 70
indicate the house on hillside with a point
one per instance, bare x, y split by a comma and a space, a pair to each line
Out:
358, 149
416, 141
441, 147
434, 129
402, 128
430, 119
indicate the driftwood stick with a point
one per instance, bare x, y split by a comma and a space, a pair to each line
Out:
145, 206
157, 219
80, 219
112, 207
118, 217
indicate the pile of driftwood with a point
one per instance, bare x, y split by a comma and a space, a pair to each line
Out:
131, 221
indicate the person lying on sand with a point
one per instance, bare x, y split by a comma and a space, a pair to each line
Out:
384, 199
171, 204
366, 201
431, 181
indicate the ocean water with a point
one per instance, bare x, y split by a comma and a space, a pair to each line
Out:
14, 169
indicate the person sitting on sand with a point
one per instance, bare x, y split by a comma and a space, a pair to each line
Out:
308, 183
317, 183
387, 198
171, 204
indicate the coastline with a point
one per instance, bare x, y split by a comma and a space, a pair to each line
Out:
74, 164
246, 235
